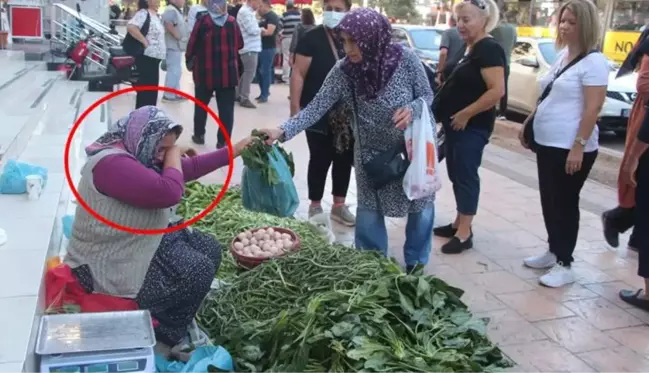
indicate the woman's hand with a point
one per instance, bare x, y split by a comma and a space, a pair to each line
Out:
242, 144
627, 176
402, 117
575, 159
188, 151
460, 120
273, 134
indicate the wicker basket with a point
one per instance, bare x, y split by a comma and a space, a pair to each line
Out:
251, 262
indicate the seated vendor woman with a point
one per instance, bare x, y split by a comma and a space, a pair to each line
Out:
133, 176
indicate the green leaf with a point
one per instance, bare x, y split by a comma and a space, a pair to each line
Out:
439, 300
406, 304
460, 317
365, 349
422, 287
376, 362
456, 343
342, 329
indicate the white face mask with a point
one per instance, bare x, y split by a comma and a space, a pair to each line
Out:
332, 19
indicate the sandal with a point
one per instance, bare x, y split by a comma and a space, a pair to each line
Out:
634, 298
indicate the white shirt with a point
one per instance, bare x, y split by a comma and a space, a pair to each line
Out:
191, 16
250, 30
557, 118
156, 35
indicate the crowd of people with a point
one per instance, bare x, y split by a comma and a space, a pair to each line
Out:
354, 91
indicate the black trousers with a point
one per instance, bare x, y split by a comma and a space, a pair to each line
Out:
224, 102
322, 154
560, 198
641, 211
148, 69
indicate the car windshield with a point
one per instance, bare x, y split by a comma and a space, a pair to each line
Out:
549, 53
426, 39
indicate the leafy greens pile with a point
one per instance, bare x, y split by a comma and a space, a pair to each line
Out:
332, 308
255, 157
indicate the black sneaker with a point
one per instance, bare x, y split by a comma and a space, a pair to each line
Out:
247, 104
611, 234
455, 246
409, 269
445, 231
198, 140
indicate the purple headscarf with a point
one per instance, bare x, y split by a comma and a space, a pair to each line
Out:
373, 34
139, 133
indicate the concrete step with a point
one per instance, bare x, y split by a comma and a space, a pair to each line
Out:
38, 110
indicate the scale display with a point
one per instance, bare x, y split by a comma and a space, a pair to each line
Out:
125, 366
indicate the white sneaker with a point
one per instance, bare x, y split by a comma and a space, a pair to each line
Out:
546, 260
557, 277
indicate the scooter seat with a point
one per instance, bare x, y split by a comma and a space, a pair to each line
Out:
116, 51
123, 62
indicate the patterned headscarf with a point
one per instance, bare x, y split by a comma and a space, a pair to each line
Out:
373, 34
138, 133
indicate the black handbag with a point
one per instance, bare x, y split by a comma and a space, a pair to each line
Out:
528, 130
131, 45
388, 166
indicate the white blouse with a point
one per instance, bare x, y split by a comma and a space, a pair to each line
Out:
156, 35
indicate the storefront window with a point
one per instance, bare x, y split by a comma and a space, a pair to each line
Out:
630, 15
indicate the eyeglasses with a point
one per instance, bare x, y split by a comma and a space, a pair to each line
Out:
479, 3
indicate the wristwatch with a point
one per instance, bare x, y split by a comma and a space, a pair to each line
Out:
581, 141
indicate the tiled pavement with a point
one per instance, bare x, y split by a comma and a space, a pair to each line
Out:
583, 327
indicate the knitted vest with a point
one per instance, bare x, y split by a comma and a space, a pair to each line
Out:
118, 260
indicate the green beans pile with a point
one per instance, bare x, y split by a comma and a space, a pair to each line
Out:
332, 308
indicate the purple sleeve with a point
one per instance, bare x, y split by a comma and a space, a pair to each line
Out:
203, 164
127, 180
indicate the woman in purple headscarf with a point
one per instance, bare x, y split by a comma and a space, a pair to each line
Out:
386, 84
134, 174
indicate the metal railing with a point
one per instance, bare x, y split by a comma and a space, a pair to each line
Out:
69, 26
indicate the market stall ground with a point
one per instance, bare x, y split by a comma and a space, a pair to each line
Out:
583, 327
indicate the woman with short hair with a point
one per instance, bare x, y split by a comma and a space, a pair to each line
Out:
565, 135
466, 106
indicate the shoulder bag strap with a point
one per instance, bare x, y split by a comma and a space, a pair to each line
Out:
334, 50
146, 25
548, 88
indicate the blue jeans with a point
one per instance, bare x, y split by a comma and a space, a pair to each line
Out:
371, 234
174, 71
463, 158
265, 71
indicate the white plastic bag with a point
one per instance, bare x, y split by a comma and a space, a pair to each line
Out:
421, 179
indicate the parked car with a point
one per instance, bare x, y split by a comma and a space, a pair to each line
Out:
531, 58
424, 40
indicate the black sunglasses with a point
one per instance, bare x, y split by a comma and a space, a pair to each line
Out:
479, 3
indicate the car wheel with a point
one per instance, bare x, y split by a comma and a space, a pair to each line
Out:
621, 134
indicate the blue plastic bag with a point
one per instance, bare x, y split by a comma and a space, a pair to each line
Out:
12, 180
201, 359
67, 222
280, 199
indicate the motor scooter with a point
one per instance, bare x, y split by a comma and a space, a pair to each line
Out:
120, 67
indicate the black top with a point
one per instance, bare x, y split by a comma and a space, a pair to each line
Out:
315, 44
465, 85
233, 10
270, 18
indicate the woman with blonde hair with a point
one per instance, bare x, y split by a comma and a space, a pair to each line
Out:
563, 133
466, 106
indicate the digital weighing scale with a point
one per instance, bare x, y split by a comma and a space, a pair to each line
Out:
97, 343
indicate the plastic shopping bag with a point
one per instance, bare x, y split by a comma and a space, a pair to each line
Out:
12, 180
280, 198
421, 179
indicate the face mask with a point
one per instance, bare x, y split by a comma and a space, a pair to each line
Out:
332, 19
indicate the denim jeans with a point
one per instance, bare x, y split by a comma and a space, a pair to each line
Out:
174, 71
463, 158
371, 234
265, 71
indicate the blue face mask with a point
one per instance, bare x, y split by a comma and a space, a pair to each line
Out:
331, 19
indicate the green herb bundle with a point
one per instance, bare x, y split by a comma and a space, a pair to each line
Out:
255, 157
332, 308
